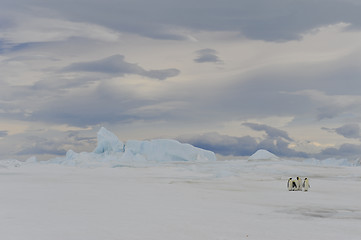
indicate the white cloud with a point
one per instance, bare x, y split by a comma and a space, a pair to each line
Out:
30, 29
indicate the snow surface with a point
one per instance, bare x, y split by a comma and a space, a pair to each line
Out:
213, 200
162, 189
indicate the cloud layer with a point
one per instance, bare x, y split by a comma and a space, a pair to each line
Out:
116, 65
350, 130
270, 131
3, 133
166, 68
271, 21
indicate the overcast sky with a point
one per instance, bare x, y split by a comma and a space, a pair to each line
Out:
231, 76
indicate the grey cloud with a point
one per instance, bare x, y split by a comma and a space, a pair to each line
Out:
3, 47
13, 110
345, 150
46, 143
41, 150
260, 93
3, 133
113, 65
266, 20
82, 140
161, 74
58, 83
240, 146
40, 145
118, 66
331, 109
257, 95
328, 112
72, 102
5, 23
281, 148
351, 130
105, 104
207, 55
223, 144
271, 131
276, 91
75, 136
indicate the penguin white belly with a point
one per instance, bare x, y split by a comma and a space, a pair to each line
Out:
306, 185
289, 185
299, 184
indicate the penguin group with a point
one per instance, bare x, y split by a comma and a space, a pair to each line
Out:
297, 185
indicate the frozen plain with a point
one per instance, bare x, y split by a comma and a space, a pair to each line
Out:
162, 189
221, 200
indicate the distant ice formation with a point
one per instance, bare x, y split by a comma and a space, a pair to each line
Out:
10, 163
108, 142
167, 150
262, 154
112, 151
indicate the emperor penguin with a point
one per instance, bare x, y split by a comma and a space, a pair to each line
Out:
289, 184
299, 184
306, 185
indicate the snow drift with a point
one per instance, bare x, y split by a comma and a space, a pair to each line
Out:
110, 150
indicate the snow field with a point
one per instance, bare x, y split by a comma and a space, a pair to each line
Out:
222, 200
162, 189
